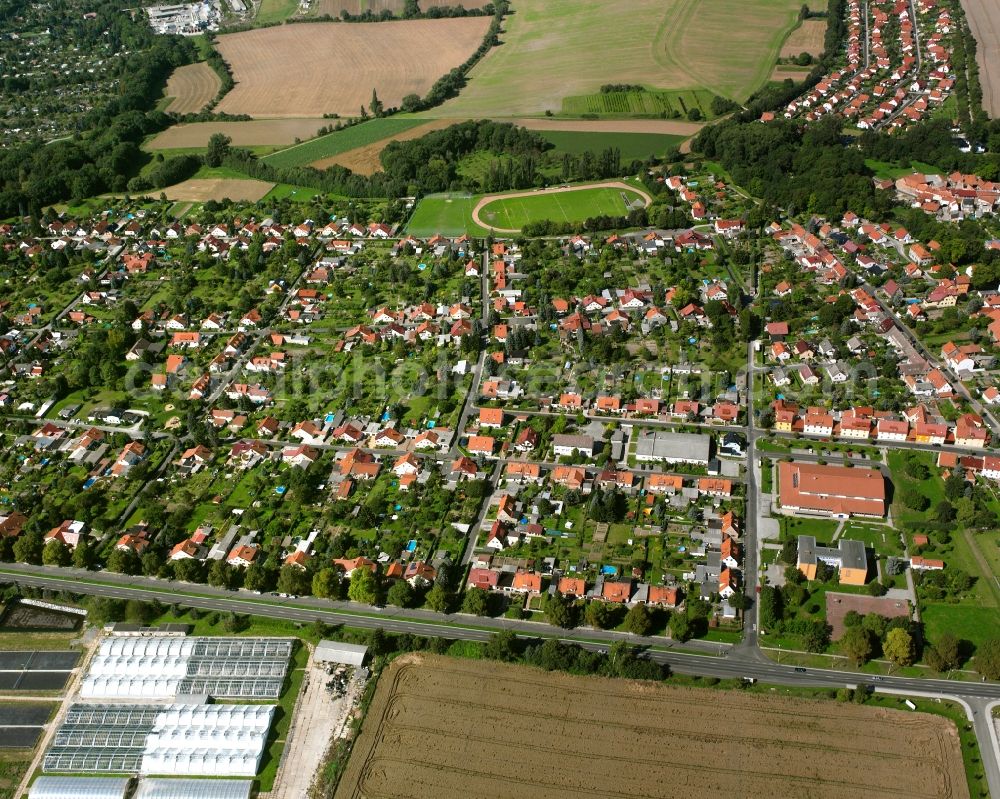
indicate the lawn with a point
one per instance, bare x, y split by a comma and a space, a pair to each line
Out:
880, 537
964, 621
888, 171
554, 49
823, 529
341, 141
276, 11
447, 214
631, 145
513, 213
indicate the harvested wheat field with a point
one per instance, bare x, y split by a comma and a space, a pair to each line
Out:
243, 134
192, 87
448, 728
358, 7
984, 21
365, 160
807, 38
782, 73
203, 189
313, 69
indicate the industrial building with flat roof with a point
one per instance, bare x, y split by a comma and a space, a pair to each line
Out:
838, 491
848, 556
659, 446
339, 652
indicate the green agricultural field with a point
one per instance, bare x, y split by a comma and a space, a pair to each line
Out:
447, 214
554, 49
632, 145
515, 212
341, 141
641, 103
276, 11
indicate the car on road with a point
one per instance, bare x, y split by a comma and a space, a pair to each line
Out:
800, 670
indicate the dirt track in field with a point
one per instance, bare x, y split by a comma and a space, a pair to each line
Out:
204, 189
192, 87
666, 126
243, 134
452, 728
611, 184
328, 67
365, 160
984, 20
807, 38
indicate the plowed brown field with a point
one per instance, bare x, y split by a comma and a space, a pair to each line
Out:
243, 134
357, 7
328, 67
807, 38
192, 86
204, 189
440, 727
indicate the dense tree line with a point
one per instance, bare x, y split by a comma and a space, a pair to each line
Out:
804, 169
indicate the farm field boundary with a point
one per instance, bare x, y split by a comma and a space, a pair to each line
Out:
366, 160
340, 141
257, 132
446, 726
312, 69
191, 87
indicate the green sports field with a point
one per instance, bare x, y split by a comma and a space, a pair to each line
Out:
447, 214
341, 141
515, 212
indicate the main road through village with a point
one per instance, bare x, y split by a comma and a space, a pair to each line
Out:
744, 660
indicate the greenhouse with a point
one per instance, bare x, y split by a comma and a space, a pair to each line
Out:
150, 788
79, 788
203, 740
162, 667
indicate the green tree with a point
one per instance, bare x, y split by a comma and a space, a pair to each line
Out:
293, 580
439, 598
326, 583
259, 577
945, 654
987, 660
476, 601
218, 149
84, 555
680, 627
561, 611
899, 647
639, 620
28, 548
857, 644
124, 561
400, 594
364, 587
221, 574
501, 646
603, 615
56, 553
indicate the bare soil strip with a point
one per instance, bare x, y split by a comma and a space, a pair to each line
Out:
452, 728
192, 87
327, 67
243, 134
357, 7
204, 189
365, 160
613, 184
984, 20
